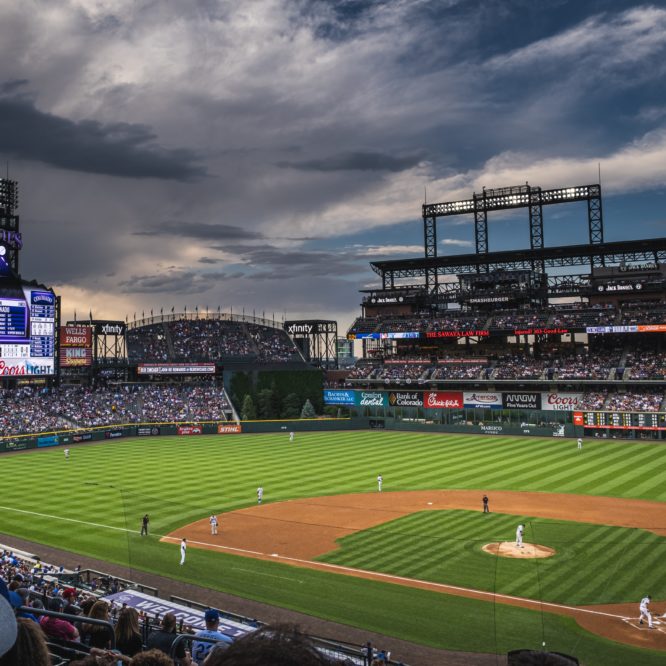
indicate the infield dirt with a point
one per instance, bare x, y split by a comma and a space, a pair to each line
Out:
296, 531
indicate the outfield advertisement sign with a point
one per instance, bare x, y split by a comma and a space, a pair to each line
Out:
192, 617
190, 430
338, 397
147, 431
521, 400
443, 400
370, 399
48, 440
176, 369
561, 402
482, 400
229, 428
405, 399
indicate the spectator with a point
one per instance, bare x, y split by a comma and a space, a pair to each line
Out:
201, 649
163, 638
29, 648
97, 635
55, 627
128, 633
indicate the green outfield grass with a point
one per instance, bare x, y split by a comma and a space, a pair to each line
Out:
179, 480
446, 547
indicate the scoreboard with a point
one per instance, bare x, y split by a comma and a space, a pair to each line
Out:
27, 330
624, 420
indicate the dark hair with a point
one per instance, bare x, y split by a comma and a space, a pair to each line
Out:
169, 622
30, 646
151, 658
278, 645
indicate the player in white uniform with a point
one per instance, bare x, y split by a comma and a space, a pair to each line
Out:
213, 524
260, 494
183, 550
519, 536
380, 480
291, 436
66, 454
580, 444
645, 611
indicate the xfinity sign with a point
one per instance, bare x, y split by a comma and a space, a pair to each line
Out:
293, 329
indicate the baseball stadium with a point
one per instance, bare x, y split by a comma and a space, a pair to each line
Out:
472, 473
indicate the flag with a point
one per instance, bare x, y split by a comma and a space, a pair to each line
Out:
172, 309
90, 314
75, 316
151, 312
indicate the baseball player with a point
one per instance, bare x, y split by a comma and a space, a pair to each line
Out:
66, 454
183, 550
260, 494
484, 499
645, 611
580, 444
291, 436
380, 480
144, 525
519, 536
213, 524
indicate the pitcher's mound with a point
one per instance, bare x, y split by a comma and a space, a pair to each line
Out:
509, 549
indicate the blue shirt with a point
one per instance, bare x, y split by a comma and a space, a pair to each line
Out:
200, 650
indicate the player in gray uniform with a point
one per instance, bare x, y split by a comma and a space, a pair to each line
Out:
519, 536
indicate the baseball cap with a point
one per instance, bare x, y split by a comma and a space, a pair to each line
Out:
7, 627
212, 615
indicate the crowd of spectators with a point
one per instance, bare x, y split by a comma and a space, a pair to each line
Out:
458, 371
148, 343
517, 319
200, 340
208, 339
643, 313
630, 401
592, 365
30, 410
593, 401
583, 316
407, 372
518, 366
645, 365
273, 344
92, 630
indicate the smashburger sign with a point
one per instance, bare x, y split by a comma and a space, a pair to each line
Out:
561, 402
443, 400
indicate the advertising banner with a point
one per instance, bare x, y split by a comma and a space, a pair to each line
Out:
147, 431
540, 331
338, 397
19, 445
48, 440
113, 434
18, 367
71, 357
75, 336
578, 418
176, 369
190, 430
561, 402
521, 400
458, 334
370, 399
229, 428
110, 327
443, 400
482, 399
86, 437
405, 399
191, 617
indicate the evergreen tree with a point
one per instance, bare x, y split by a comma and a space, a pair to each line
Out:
308, 411
266, 404
291, 407
248, 411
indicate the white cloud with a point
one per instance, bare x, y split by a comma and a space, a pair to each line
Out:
456, 241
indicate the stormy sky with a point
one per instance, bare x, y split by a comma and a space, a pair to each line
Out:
259, 154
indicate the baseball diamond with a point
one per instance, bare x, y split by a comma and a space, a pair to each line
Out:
407, 562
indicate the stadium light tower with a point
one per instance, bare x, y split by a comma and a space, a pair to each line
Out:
10, 236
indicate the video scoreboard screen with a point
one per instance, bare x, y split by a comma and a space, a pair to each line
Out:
625, 420
27, 331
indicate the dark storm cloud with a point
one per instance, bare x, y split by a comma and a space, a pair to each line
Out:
201, 231
272, 263
114, 149
356, 161
11, 87
175, 282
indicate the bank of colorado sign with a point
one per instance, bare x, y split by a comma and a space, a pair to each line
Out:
521, 400
406, 399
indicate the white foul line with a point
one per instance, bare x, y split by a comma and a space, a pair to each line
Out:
338, 567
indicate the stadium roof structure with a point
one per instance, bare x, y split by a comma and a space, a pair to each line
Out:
597, 253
